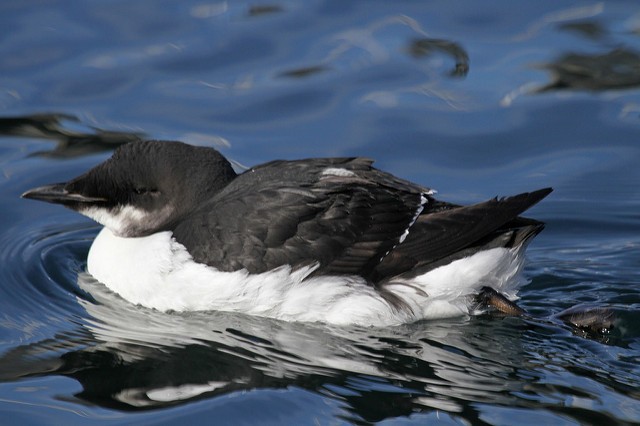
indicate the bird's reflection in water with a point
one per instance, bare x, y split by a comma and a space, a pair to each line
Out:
130, 358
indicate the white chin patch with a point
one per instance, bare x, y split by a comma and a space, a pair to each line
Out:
123, 221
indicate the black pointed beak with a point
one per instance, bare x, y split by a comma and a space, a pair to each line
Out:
58, 194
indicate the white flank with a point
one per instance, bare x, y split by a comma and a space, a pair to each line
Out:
157, 272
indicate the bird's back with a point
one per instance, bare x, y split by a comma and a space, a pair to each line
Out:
346, 216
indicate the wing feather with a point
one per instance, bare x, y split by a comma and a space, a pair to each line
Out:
293, 213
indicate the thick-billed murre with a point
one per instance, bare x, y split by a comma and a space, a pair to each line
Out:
324, 239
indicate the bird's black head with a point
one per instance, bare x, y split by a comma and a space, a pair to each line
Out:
145, 187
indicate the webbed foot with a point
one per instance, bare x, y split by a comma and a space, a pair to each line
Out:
490, 298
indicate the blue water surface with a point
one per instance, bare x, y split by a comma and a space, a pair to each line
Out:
475, 99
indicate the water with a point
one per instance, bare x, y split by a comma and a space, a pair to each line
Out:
475, 99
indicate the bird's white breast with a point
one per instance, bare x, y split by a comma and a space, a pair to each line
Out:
158, 272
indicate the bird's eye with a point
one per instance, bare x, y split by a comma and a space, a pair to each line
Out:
143, 190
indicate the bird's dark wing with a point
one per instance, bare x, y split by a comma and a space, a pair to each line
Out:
443, 230
340, 213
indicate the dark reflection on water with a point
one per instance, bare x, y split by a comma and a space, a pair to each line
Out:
304, 71
300, 79
616, 69
425, 47
69, 142
264, 9
590, 29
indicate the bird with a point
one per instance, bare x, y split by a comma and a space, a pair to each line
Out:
329, 240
